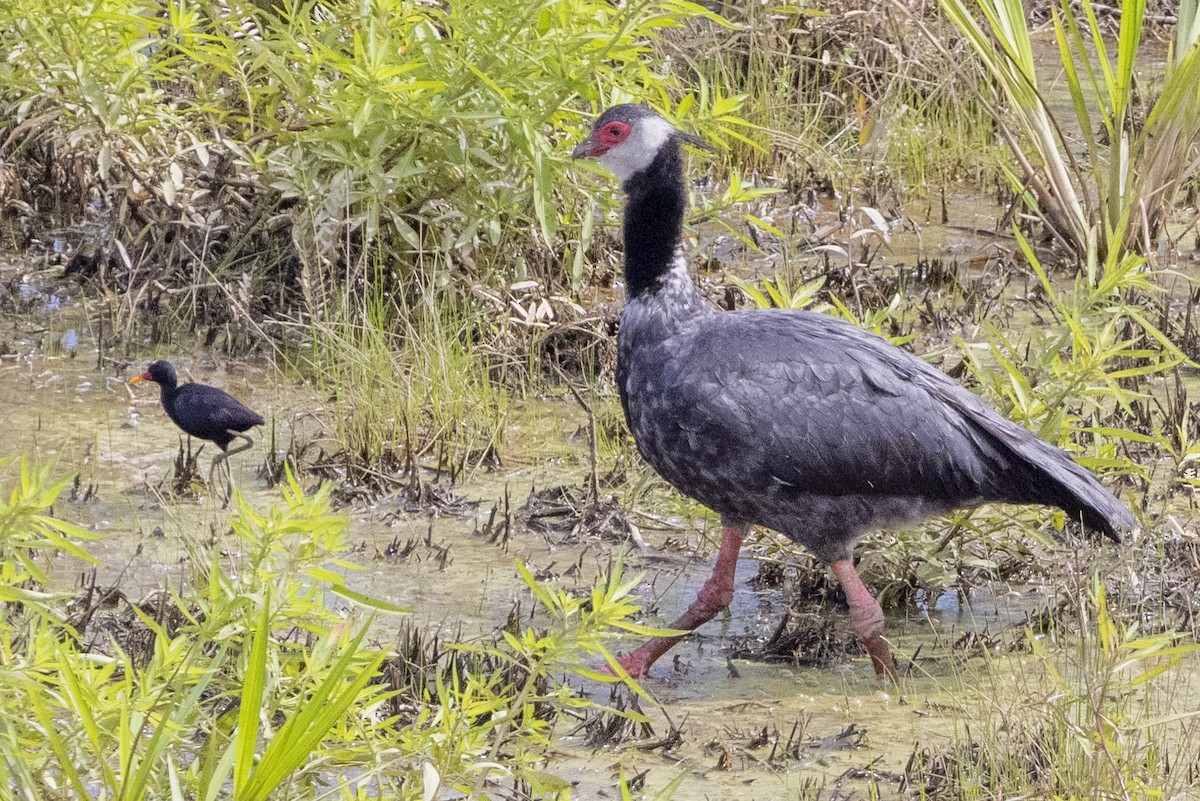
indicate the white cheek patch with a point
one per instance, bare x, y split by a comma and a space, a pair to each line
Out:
635, 153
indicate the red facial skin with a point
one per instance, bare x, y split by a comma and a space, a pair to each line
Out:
603, 139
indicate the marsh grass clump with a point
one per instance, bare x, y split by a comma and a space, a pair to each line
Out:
1098, 716
408, 388
614, 726
187, 471
254, 676
845, 94
803, 637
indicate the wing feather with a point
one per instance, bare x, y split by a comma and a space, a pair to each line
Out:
814, 403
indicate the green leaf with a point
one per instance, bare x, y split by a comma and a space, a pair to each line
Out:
369, 601
251, 703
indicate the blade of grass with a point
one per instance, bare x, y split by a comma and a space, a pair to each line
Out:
300, 735
250, 702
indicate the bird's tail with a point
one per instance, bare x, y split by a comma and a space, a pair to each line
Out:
1039, 472
1049, 475
1077, 492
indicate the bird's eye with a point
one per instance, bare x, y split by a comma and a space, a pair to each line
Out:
616, 132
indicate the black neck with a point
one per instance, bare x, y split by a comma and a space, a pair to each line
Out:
654, 219
166, 393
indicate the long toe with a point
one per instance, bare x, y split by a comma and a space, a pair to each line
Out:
881, 657
638, 661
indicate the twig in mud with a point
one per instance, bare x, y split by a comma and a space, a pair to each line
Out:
635, 534
672, 740
661, 521
945, 540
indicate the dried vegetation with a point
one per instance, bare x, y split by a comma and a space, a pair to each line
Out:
376, 194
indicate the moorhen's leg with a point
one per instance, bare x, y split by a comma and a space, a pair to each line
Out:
865, 617
247, 445
223, 457
713, 597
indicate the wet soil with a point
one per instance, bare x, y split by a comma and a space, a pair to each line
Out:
732, 726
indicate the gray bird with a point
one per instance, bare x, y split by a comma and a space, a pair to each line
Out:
792, 420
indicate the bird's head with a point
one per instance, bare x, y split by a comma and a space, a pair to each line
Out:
627, 138
159, 372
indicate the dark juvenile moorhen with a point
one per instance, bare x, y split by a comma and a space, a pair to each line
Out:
203, 412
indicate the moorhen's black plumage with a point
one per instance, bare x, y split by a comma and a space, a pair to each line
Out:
793, 420
202, 411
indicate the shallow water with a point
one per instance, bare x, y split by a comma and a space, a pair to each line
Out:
62, 408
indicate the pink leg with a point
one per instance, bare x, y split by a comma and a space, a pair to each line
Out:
866, 617
714, 596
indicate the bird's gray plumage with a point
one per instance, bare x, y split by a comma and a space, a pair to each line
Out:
819, 429
791, 420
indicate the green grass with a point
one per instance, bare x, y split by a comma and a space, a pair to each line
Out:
271, 156
833, 95
250, 686
1136, 140
409, 385
1093, 709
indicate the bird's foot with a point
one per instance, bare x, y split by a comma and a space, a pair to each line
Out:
867, 622
637, 662
866, 618
635, 665
881, 658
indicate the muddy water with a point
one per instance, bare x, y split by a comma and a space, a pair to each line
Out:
62, 409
